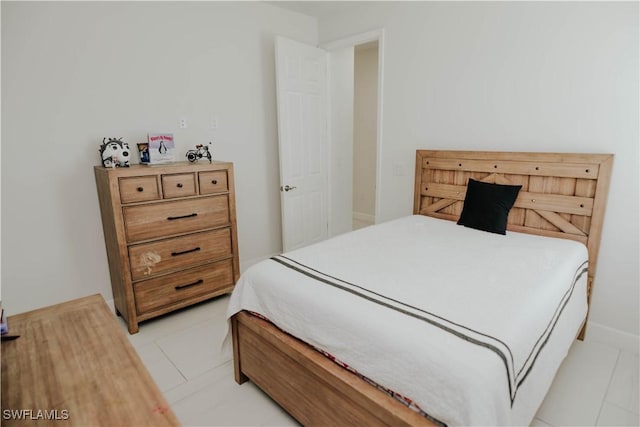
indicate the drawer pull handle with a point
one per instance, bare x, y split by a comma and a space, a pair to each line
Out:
171, 218
140, 189
214, 181
196, 249
188, 285
179, 185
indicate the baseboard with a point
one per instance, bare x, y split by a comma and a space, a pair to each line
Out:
359, 216
612, 337
111, 304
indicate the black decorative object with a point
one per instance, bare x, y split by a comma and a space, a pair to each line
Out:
486, 206
200, 152
114, 153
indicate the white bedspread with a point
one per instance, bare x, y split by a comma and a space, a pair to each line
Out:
470, 325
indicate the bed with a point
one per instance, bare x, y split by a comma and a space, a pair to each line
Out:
356, 363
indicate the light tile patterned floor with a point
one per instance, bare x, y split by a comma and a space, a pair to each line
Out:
597, 385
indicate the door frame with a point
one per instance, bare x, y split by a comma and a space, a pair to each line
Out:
352, 41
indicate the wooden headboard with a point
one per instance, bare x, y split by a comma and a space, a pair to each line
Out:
562, 195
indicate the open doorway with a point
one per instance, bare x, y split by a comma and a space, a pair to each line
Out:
355, 117
365, 116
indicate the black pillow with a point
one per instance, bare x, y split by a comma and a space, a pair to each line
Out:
486, 206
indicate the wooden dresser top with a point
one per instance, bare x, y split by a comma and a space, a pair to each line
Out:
163, 168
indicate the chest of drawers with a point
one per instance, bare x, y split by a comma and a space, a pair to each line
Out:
170, 234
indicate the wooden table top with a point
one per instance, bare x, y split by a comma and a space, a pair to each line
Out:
73, 365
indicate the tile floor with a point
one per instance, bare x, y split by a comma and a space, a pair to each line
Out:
596, 386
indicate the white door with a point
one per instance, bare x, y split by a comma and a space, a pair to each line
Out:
302, 110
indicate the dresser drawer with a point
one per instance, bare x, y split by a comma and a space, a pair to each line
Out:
156, 293
179, 185
169, 218
213, 182
149, 259
138, 189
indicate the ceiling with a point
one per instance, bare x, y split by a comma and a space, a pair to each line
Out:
317, 9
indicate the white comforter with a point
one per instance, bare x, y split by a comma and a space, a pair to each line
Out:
470, 325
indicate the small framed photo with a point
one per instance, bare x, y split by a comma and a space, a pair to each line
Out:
143, 151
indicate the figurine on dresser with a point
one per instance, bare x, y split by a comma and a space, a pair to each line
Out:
200, 152
114, 153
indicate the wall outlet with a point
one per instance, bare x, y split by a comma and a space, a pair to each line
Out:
214, 123
183, 123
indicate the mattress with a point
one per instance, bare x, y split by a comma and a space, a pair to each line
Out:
471, 326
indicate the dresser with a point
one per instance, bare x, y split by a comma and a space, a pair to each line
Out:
170, 234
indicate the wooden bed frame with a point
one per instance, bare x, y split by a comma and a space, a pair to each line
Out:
563, 195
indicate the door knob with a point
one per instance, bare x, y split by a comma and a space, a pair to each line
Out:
287, 188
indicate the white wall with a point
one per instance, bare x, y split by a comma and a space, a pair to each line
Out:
515, 76
73, 73
518, 76
341, 142
365, 116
